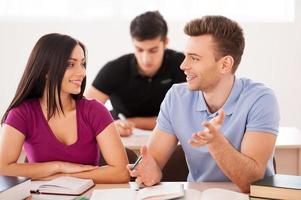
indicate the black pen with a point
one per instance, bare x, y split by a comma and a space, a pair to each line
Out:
136, 163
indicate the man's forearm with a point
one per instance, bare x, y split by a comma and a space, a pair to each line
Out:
239, 168
146, 123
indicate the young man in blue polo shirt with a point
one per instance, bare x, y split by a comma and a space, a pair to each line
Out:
227, 125
137, 83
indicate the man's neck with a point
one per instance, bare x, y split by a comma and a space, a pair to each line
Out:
217, 97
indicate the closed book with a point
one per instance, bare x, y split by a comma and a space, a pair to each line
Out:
64, 185
279, 186
12, 187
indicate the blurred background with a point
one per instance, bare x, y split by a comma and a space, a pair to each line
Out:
272, 30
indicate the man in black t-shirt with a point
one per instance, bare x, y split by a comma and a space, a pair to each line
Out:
137, 83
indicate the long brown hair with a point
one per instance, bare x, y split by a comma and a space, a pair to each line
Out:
46, 65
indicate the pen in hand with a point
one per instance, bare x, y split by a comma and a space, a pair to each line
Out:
137, 186
121, 116
136, 163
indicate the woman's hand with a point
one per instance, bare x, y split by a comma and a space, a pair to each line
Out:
70, 168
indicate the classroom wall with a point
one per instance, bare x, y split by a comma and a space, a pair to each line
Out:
272, 53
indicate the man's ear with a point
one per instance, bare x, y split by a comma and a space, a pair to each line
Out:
227, 63
166, 41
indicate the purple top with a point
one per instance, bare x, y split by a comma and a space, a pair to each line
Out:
41, 145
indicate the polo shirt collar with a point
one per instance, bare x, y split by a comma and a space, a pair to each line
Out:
229, 106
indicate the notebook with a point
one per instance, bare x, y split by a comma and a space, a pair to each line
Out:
279, 186
157, 192
62, 185
16, 188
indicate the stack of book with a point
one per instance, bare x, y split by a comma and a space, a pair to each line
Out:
279, 186
16, 188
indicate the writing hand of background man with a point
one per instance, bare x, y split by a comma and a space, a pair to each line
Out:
124, 127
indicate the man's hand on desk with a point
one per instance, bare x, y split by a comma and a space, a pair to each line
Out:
147, 171
124, 127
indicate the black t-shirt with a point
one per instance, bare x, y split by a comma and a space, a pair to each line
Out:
133, 94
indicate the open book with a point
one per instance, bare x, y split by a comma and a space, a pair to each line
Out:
167, 191
160, 192
62, 185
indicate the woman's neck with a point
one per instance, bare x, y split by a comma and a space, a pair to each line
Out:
68, 103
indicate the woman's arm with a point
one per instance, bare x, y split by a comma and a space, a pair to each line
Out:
115, 156
10, 148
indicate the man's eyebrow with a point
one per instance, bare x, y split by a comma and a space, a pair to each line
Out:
193, 54
149, 49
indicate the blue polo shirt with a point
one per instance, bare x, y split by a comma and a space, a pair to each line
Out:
250, 107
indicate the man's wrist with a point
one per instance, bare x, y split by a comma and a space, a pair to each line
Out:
218, 143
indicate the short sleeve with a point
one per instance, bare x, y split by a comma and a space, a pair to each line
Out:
98, 116
17, 118
110, 77
163, 120
264, 115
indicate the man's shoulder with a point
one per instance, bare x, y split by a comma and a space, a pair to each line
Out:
173, 52
174, 55
181, 90
124, 59
252, 87
253, 91
118, 67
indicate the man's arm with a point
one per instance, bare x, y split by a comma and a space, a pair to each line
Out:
146, 123
154, 157
93, 93
246, 166
242, 167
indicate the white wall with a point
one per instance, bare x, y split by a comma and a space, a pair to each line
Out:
272, 53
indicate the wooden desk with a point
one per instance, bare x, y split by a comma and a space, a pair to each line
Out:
287, 152
136, 140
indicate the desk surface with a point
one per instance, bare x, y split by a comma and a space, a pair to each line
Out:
289, 137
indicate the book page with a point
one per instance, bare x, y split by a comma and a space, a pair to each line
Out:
141, 132
217, 193
62, 185
34, 185
114, 194
163, 191
130, 194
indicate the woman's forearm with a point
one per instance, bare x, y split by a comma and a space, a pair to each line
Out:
31, 170
104, 174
